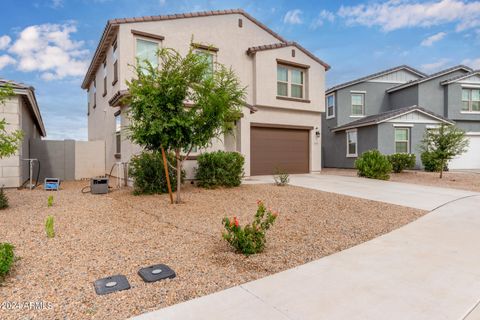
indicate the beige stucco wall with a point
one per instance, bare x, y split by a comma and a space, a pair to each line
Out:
257, 73
89, 159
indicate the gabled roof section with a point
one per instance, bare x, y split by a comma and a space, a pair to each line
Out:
461, 77
29, 93
273, 46
375, 75
112, 26
430, 77
388, 115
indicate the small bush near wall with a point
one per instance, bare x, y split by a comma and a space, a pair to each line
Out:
220, 168
7, 257
401, 161
372, 164
249, 239
148, 173
3, 199
431, 163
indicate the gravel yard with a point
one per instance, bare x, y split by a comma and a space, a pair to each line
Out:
102, 235
458, 179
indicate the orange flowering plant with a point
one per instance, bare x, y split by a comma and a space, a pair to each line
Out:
250, 238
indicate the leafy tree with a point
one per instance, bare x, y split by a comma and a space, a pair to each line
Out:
443, 144
185, 102
9, 142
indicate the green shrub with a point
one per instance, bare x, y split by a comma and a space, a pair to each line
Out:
401, 161
281, 178
148, 173
3, 199
50, 201
7, 257
220, 168
249, 239
49, 227
431, 163
372, 164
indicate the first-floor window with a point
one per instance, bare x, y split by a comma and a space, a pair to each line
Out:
352, 143
118, 137
402, 140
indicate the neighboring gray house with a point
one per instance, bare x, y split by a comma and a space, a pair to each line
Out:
391, 110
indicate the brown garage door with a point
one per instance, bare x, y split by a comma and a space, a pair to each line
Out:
285, 149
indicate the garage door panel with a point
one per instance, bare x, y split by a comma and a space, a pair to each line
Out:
285, 149
471, 158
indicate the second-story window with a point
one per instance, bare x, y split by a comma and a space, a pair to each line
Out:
358, 104
330, 106
115, 63
290, 82
471, 100
104, 77
147, 51
208, 58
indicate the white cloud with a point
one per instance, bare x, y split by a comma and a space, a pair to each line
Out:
427, 42
396, 14
57, 3
473, 63
323, 16
162, 2
6, 60
49, 49
4, 42
293, 17
435, 66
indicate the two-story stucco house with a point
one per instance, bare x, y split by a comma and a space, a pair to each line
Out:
280, 127
391, 110
20, 112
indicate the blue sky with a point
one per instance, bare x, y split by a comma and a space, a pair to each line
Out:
48, 44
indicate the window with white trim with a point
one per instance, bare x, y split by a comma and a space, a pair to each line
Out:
290, 82
209, 58
330, 102
351, 143
402, 140
147, 51
358, 104
470, 100
118, 136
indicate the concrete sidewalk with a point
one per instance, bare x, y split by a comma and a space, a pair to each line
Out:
404, 194
429, 269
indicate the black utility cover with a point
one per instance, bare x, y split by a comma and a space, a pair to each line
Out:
101, 286
153, 273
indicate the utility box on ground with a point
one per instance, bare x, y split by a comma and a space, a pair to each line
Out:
99, 185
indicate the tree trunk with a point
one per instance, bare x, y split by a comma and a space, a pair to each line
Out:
167, 176
179, 175
441, 169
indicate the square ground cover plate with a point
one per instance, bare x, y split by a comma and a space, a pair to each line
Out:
111, 284
156, 272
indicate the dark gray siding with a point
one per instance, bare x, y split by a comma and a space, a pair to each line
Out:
335, 148
468, 126
404, 98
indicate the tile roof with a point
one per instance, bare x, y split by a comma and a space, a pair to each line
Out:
381, 117
273, 46
374, 75
113, 24
432, 76
459, 77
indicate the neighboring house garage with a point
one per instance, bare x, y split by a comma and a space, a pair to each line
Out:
471, 158
279, 148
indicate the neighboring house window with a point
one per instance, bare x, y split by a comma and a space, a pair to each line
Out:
358, 104
147, 51
402, 140
209, 58
115, 63
290, 82
118, 137
470, 99
330, 106
352, 143
105, 77
94, 93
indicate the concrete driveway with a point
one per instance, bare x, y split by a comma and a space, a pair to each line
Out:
404, 194
429, 269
